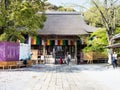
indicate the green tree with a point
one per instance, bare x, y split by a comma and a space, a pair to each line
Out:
93, 17
109, 19
97, 41
117, 17
67, 9
49, 6
108, 16
20, 17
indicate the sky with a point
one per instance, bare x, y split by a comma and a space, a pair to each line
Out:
76, 4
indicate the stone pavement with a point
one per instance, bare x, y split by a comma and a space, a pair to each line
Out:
63, 77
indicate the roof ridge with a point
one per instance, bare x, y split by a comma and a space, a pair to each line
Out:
61, 13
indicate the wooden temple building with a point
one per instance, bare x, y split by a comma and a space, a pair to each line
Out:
63, 32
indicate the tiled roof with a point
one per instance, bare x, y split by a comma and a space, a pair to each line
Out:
117, 36
114, 45
65, 23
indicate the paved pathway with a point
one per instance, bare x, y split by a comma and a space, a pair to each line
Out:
61, 77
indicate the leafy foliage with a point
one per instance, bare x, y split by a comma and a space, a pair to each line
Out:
68, 9
93, 17
97, 41
108, 16
49, 6
118, 16
20, 17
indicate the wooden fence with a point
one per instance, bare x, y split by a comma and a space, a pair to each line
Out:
90, 56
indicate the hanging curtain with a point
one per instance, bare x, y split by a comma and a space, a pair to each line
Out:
36, 40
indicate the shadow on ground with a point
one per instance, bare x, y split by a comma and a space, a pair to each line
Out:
60, 68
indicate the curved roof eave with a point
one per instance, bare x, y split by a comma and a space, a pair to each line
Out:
70, 23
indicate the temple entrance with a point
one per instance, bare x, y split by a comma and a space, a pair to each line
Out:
60, 51
54, 49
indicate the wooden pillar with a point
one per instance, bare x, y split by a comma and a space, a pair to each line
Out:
29, 43
44, 51
75, 51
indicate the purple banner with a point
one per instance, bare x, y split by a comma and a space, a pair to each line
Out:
9, 51
2, 51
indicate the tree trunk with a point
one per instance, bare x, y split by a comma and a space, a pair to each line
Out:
109, 22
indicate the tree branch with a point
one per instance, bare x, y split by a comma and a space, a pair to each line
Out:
115, 1
104, 19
